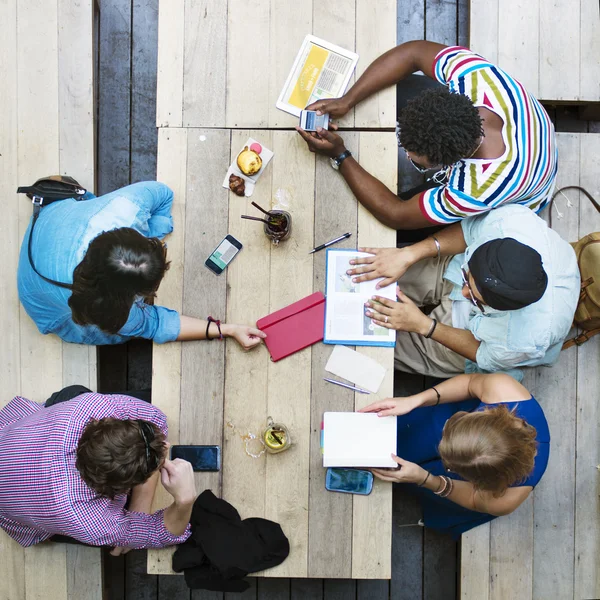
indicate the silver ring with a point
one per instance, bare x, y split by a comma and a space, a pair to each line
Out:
386, 319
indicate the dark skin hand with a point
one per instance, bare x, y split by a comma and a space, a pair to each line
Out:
387, 70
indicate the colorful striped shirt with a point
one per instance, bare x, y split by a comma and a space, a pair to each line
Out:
524, 174
41, 491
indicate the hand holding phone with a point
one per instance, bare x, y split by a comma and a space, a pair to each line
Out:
310, 120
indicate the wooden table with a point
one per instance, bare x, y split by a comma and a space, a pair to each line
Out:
205, 387
223, 64
552, 49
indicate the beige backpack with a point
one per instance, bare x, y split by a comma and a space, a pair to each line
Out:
587, 250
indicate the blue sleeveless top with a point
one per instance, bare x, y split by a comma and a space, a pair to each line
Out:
419, 434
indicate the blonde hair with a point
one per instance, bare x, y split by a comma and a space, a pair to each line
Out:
493, 449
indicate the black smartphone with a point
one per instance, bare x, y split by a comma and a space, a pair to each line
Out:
203, 458
349, 481
223, 254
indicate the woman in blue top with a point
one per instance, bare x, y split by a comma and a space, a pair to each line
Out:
472, 448
109, 250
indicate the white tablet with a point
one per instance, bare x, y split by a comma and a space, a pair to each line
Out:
321, 70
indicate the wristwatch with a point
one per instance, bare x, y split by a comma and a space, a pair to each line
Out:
338, 160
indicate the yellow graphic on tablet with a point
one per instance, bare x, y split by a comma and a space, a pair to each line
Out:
308, 76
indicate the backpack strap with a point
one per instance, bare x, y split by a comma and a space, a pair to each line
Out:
37, 207
571, 187
582, 338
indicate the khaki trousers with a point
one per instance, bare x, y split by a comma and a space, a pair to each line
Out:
425, 285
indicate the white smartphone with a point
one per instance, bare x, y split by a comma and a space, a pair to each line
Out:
310, 120
223, 254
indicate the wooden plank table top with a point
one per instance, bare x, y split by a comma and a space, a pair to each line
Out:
223, 64
552, 49
214, 393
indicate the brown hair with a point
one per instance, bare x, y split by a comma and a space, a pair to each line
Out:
493, 449
112, 457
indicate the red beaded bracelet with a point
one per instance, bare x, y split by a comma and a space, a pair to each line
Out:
217, 322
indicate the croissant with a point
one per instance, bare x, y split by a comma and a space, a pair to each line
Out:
237, 185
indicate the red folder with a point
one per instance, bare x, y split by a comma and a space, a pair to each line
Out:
294, 327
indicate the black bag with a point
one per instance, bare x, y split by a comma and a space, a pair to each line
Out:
46, 191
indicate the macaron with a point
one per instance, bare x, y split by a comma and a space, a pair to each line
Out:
256, 147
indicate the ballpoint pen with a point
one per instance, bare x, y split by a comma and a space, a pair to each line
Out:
326, 244
346, 385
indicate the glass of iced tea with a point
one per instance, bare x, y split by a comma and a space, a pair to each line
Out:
278, 226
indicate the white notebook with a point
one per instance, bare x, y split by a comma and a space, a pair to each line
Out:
358, 440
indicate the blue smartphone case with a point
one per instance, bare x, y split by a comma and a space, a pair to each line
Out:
349, 481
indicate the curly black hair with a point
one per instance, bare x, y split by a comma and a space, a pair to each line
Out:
440, 125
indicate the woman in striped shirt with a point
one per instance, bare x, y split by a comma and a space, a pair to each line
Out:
491, 141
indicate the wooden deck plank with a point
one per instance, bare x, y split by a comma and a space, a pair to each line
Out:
589, 50
306, 589
289, 24
587, 489
559, 70
375, 34
245, 373
411, 21
273, 589
511, 554
248, 100
205, 57
202, 362
439, 554
441, 24
329, 546
289, 380
483, 28
144, 137
554, 504
339, 589
373, 589
172, 587
114, 103
407, 536
370, 553
166, 386
169, 85
336, 22
203, 594
475, 564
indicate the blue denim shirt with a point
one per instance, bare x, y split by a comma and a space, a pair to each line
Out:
532, 335
61, 238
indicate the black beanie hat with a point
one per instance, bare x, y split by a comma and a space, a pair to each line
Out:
509, 275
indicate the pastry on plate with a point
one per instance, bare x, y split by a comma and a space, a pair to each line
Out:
249, 162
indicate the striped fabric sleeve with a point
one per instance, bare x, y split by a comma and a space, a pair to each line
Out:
446, 204
454, 62
17, 409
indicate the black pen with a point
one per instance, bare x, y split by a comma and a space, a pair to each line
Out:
323, 246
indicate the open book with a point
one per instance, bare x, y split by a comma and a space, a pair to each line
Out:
353, 439
345, 318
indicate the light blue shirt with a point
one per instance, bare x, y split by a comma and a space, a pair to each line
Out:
532, 335
61, 238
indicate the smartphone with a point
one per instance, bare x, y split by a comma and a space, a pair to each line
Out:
349, 481
203, 458
223, 254
310, 120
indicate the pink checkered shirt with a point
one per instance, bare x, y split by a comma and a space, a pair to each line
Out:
41, 491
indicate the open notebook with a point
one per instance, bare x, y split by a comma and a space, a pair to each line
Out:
358, 440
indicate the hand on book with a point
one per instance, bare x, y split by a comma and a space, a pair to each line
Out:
403, 315
390, 263
406, 472
392, 407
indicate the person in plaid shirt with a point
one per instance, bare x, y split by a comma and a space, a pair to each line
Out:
70, 469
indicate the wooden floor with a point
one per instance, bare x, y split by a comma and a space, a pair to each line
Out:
425, 564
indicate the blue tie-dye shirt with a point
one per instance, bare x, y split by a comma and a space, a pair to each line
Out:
60, 240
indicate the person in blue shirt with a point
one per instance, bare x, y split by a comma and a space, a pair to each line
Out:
471, 449
110, 251
504, 285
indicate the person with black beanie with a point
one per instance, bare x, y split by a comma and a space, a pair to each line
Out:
491, 293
